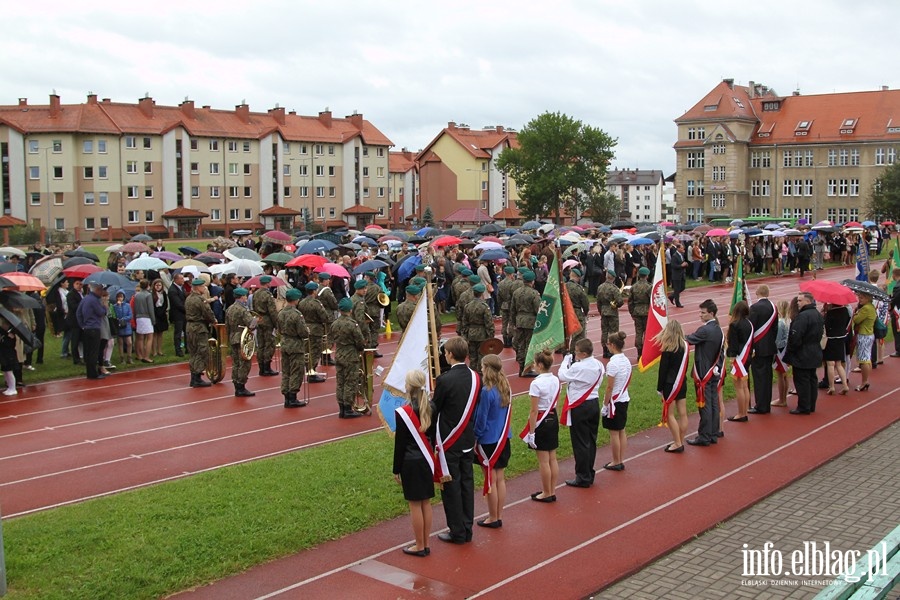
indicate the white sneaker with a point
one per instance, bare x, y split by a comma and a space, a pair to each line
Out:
10, 392
28, 368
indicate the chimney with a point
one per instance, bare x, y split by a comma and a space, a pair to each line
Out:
451, 125
293, 112
752, 89
796, 93
91, 98
277, 113
356, 119
23, 101
242, 110
499, 128
106, 101
54, 105
884, 88
146, 105
729, 82
187, 108
325, 117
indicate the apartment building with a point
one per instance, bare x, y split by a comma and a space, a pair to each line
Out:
403, 189
105, 169
748, 151
639, 191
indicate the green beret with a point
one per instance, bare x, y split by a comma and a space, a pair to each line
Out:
575, 272
265, 280
478, 288
345, 305
311, 285
523, 270
292, 294
240, 291
360, 284
198, 281
413, 290
458, 267
474, 279
643, 271
371, 274
528, 276
509, 269
419, 281
420, 267
324, 275
611, 274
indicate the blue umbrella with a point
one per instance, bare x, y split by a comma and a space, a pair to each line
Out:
641, 241
494, 255
408, 267
869, 224
531, 225
511, 231
370, 265
109, 279
772, 226
188, 250
314, 247
604, 229
752, 231
114, 290
564, 242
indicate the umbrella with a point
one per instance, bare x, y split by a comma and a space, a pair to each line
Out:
315, 246
307, 260
78, 260
452, 232
623, 224
384, 257
736, 223
489, 228
683, 237
528, 225
370, 265
26, 282
653, 236
888, 223
188, 250
497, 254
428, 232
388, 238
279, 238
244, 253
241, 232
108, 279
127, 291
80, 271
717, 232
402, 235
772, 226
853, 224
7, 267
546, 227
350, 246
19, 328
702, 228
210, 254
490, 238
373, 234
276, 282
189, 262
243, 267
869, 224
641, 241
10, 251
146, 263
278, 258
332, 269
11, 298
865, 287
142, 237
47, 269
373, 226
792, 232
113, 248
523, 236
166, 255
832, 292
752, 231
135, 248
570, 263
446, 240
573, 249
488, 246
81, 254
406, 266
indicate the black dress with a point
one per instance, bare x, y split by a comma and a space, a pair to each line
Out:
415, 474
161, 313
836, 321
668, 370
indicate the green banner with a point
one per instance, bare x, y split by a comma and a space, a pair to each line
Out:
549, 333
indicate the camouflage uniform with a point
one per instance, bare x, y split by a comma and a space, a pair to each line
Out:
199, 318
358, 314
609, 299
405, 313
456, 288
350, 343
504, 296
264, 306
479, 327
582, 305
523, 311
236, 318
639, 307
465, 297
374, 310
317, 319
294, 341
326, 297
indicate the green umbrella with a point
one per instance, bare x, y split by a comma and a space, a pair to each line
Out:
278, 258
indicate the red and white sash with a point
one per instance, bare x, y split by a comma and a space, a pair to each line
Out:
758, 335
444, 445
568, 406
700, 383
411, 419
488, 462
739, 364
779, 363
544, 414
680, 376
612, 400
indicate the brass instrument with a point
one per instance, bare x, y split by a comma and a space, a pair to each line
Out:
326, 345
383, 299
310, 361
248, 339
276, 355
366, 391
215, 362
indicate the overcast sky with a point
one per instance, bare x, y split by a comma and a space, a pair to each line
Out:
629, 67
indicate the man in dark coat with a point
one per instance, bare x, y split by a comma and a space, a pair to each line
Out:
804, 353
177, 316
708, 360
764, 319
677, 265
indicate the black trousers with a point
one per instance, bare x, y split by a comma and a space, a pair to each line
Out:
896, 337
180, 338
90, 340
761, 371
458, 495
583, 433
807, 385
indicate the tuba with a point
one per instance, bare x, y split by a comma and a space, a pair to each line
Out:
248, 343
366, 388
215, 362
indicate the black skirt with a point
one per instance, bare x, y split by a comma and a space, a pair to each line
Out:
617, 423
835, 349
503, 459
417, 480
546, 437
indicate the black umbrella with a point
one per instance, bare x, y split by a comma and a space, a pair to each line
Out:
369, 265
646, 228
81, 254
384, 257
496, 254
190, 250
15, 299
865, 287
511, 242
653, 235
428, 232
5, 283
489, 229
456, 232
77, 260
623, 224
523, 236
351, 246
208, 260
468, 235
415, 239
108, 278
8, 267
372, 234
404, 237
16, 325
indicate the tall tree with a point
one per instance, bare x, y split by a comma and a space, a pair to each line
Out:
428, 216
560, 165
884, 201
605, 208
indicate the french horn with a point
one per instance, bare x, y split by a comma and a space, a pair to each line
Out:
383, 299
215, 362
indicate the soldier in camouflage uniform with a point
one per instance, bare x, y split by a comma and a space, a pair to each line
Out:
317, 319
639, 307
236, 318
460, 283
374, 310
505, 291
479, 325
264, 306
523, 310
350, 344
358, 313
326, 297
580, 303
408, 306
466, 295
294, 342
199, 318
609, 299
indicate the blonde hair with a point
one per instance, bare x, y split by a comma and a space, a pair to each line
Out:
783, 309
418, 397
493, 377
671, 338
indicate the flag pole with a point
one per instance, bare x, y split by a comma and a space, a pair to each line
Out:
433, 357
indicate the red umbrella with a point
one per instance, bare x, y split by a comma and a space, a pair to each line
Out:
888, 223
290, 248
374, 226
254, 282
853, 224
490, 238
25, 282
81, 271
388, 238
831, 292
333, 269
307, 260
447, 240
277, 237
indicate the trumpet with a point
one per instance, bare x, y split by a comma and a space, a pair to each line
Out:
215, 363
366, 389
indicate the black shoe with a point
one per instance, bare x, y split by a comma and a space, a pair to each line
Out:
201, 383
179, 354
577, 483
545, 498
528, 374
719, 434
696, 442
677, 450
679, 306
612, 467
315, 379
492, 525
243, 392
756, 411
797, 411
423, 552
349, 413
738, 419
294, 404
446, 537
379, 355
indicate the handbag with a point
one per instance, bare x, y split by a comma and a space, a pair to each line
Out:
880, 329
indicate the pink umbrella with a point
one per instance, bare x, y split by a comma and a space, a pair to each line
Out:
254, 282
388, 238
447, 240
374, 226
717, 232
332, 269
135, 248
576, 228
570, 263
490, 238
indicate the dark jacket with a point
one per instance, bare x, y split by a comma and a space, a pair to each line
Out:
804, 349
176, 303
451, 392
760, 312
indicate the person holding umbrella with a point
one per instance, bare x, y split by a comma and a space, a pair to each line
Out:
9, 360
89, 313
864, 326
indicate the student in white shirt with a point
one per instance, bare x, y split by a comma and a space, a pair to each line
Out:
615, 401
581, 412
543, 425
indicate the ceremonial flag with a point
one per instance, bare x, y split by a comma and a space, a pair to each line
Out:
658, 315
549, 332
862, 260
739, 291
570, 319
895, 264
412, 353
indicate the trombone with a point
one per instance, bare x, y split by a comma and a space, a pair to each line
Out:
366, 387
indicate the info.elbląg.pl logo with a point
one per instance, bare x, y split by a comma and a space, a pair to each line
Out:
813, 560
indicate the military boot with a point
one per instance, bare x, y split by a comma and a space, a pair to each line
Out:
241, 391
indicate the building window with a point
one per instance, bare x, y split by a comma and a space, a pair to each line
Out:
365, 192
57, 172
365, 171
332, 191
379, 172
319, 149
130, 142
101, 146
365, 150
148, 191
214, 191
879, 156
131, 166
104, 199
808, 158
147, 143
148, 216
304, 191
248, 214
60, 224
320, 191
89, 198
232, 146
303, 149
195, 144
286, 170
320, 170
808, 187
148, 166
87, 146
233, 191
195, 168
287, 191
133, 216
286, 147
484, 185
695, 160
854, 187
215, 214
798, 158
331, 149
832, 158
331, 171
891, 155
213, 168
195, 191
786, 187
798, 187
33, 146
787, 157
786, 213
34, 172
303, 170
234, 214
832, 214
232, 168
246, 168
844, 157
246, 146
331, 212
696, 133
379, 152
89, 223
57, 146
381, 192
832, 187
854, 157
754, 189
214, 145
89, 172
102, 172
248, 191
35, 198
718, 173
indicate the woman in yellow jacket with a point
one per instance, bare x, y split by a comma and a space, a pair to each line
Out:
864, 326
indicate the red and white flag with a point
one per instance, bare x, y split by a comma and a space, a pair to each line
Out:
658, 315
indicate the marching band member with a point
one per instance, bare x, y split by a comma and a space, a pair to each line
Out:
200, 318
264, 306
349, 343
294, 344
237, 317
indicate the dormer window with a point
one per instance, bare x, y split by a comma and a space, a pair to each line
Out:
765, 130
738, 102
891, 127
771, 105
802, 128
848, 126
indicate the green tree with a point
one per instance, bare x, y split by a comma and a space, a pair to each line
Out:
884, 201
428, 216
604, 208
560, 165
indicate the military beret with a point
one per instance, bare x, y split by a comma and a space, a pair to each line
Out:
240, 291
509, 269
198, 281
523, 270
575, 272
528, 276
474, 279
324, 275
643, 271
371, 274
311, 285
360, 284
420, 267
478, 288
265, 280
345, 305
419, 281
611, 274
413, 290
458, 267
292, 294
466, 272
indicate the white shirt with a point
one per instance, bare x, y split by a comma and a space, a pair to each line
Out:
619, 367
581, 376
545, 387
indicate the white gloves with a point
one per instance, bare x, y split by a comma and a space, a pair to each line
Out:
529, 439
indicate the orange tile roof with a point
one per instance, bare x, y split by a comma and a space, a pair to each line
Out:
184, 213
8, 221
468, 215
401, 162
510, 212
476, 141
279, 211
359, 209
335, 223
